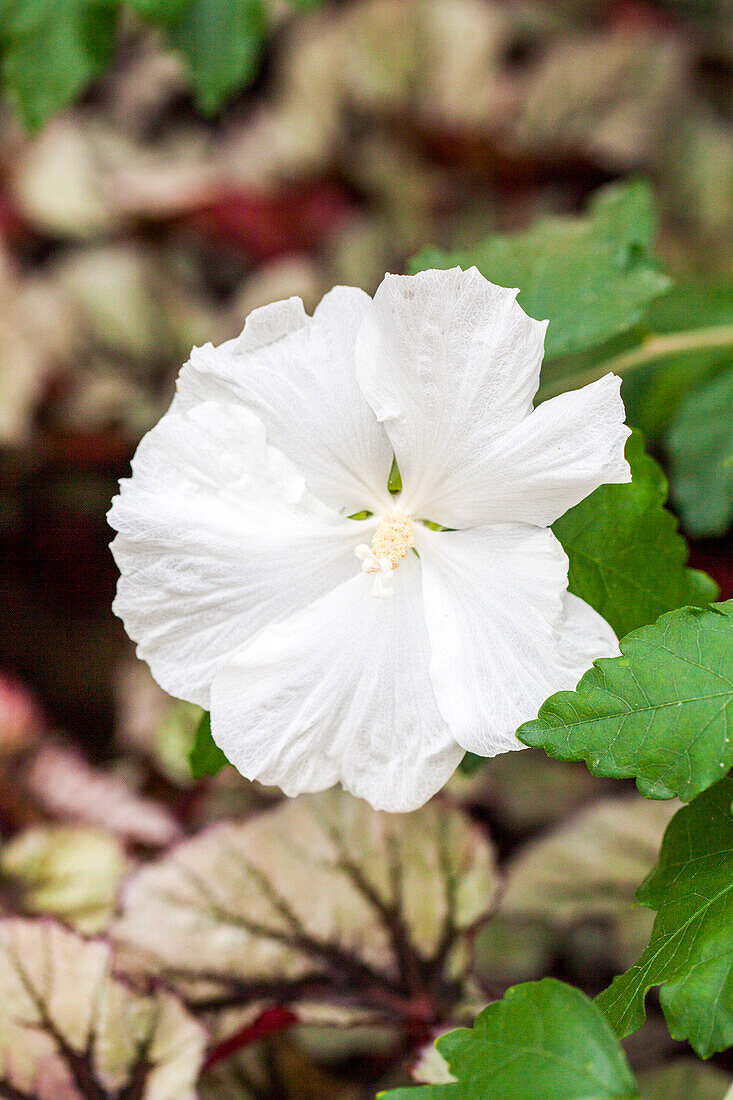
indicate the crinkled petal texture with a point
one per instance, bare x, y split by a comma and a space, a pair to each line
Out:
340, 691
218, 538
298, 374
504, 634
450, 364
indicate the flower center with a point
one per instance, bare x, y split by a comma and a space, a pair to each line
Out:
392, 539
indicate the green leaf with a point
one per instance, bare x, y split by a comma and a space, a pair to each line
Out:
51, 50
627, 559
471, 763
222, 41
661, 712
545, 1040
592, 276
206, 758
700, 446
690, 953
59, 781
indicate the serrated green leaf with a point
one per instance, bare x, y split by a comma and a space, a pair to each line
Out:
627, 559
51, 49
690, 953
591, 276
700, 447
661, 712
222, 41
544, 1039
205, 757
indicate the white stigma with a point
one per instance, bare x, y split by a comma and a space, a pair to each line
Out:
392, 539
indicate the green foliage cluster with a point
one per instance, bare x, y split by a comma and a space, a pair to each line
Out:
662, 712
50, 50
611, 308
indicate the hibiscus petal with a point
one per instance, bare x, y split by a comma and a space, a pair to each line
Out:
503, 632
218, 537
559, 454
298, 374
340, 691
584, 635
448, 361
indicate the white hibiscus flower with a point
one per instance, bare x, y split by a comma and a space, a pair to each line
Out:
250, 592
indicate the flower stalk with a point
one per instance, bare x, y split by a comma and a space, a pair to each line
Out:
653, 347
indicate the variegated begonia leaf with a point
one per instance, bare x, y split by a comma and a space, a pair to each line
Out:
69, 1029
320, 898
572, 885
588, 869
72, 872
21, 718
525, 791
151, 724
70, 788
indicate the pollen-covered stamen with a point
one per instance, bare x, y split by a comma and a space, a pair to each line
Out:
392, 539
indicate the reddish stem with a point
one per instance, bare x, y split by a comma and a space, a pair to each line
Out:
268, 1022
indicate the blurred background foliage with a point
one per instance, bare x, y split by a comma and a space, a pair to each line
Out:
165, 167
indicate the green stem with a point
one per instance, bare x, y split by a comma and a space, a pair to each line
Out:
652, 348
